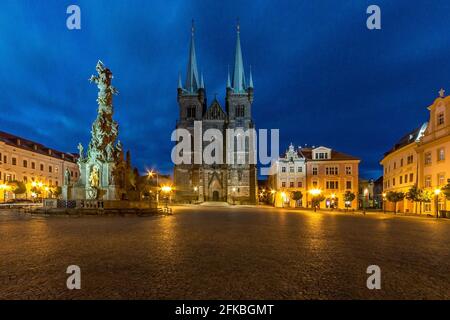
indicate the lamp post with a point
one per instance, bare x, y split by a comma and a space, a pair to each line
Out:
384, 202
166, 190
234, 195
437, 192
366, 192
196, 191
152, 174
315, 193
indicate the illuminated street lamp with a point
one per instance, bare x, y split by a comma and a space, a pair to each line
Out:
384, 202
167, 190
4, 187
437, 192
366, 193
315, 193
151, 174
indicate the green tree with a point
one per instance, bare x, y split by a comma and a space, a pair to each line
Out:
296, 195
316, 200
446, 190
18, 187
426, 196
414, 194
348, 198
395, 197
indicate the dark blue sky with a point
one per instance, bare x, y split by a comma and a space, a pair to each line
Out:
320, 75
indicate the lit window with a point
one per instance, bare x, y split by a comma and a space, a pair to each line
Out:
428, 158
441, 179
291, 184
440, 119
14, 161
348, 184
441, 154
428, 182
314, 171
348, 170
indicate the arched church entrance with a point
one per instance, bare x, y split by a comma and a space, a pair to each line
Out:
215, 195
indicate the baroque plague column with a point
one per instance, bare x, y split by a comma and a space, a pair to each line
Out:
104, 173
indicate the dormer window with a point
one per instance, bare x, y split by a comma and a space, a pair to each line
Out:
440, 119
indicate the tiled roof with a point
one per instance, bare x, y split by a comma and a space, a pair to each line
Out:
407, 139
335, 155
25, 144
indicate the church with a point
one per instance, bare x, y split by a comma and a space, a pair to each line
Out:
235, 183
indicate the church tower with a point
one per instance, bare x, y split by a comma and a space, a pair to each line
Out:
192, 105
239, 98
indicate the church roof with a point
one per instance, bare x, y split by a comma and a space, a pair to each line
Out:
192, 79
25, 144
215, 112
238, 84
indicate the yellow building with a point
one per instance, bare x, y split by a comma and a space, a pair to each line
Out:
421, 158
40, 168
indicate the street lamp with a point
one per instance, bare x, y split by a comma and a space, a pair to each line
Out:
366, 192
4, 187
166, 190
437, 192
152, 174
315, 193
384, 202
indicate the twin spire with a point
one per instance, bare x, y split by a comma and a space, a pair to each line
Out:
193, 82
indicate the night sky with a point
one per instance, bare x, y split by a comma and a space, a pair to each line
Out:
320, 75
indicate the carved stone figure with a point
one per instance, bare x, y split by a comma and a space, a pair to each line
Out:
94, 178
67, 177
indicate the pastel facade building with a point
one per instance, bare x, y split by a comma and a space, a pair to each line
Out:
321, 169
422, 159
31, 162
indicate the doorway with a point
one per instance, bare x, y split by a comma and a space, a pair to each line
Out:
215, 195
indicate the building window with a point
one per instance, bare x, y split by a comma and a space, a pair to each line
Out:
190, 112
33, 165
321, 155
240, 111
331, 171
348, 185
314, 184
410, 159
50, 169
283, 169
291, 169
401, 162
299, 184
428, 158
299, 169
428, 182
348, 170
440, 119
393, 181
14, 161
427, 207
5, 159
395, 165
25, 179
411, 177
291, 184
314, 171
441, 154
283, 184
441, 179
42, 167
25, 163
332, 185
401, 179
406, 178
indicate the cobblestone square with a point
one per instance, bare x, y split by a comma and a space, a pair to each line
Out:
224, 253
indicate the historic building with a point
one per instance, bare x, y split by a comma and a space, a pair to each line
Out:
34, 164
329, 172
221, 180
288, 173
421, 159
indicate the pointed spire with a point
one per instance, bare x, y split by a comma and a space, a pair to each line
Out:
202, 84
228, 78
192, 83
250, 80
180, 85
238, 73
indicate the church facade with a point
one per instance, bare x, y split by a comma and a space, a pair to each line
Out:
236, 182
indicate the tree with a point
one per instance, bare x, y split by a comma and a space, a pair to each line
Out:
296, 195
446, 190
394, 196
316, 200
348, 198
18, 187
414, 194
426, 196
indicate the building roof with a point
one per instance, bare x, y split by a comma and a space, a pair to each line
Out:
408, 138
335, 155
25, 144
